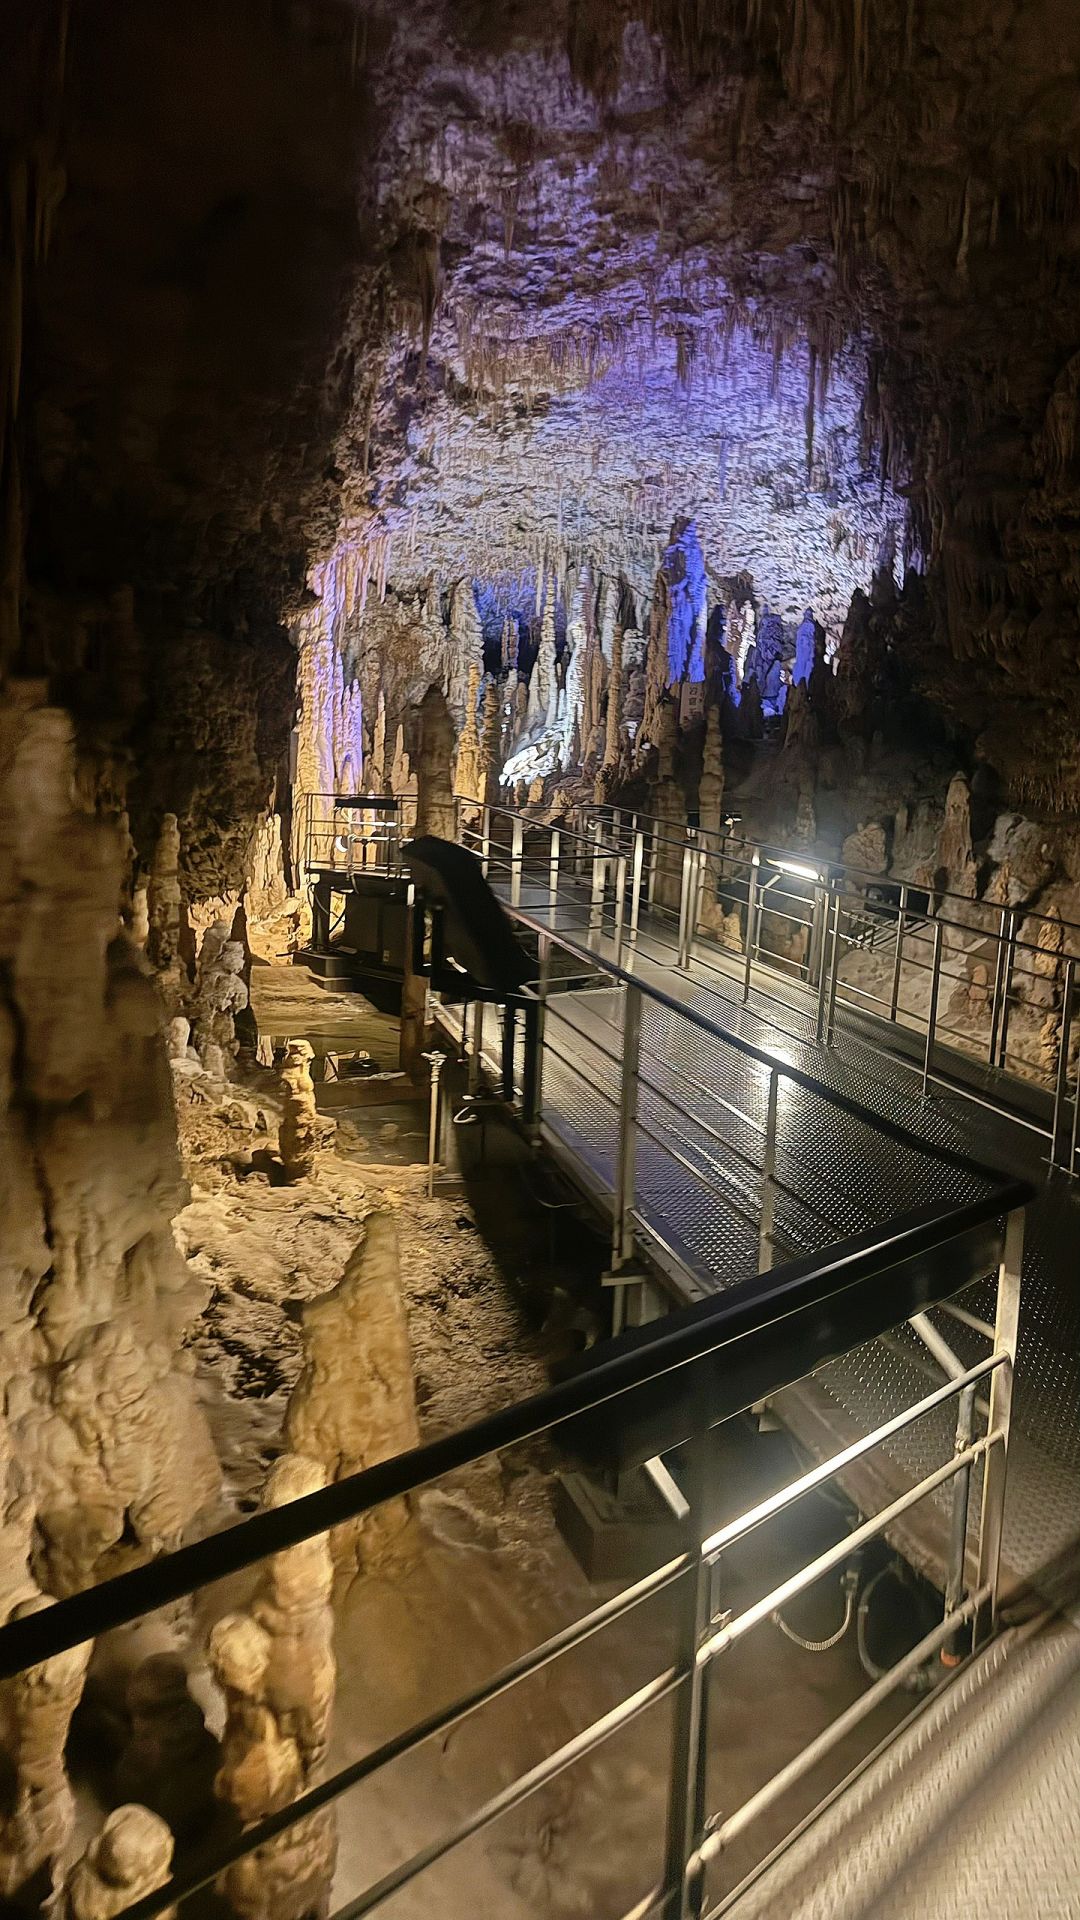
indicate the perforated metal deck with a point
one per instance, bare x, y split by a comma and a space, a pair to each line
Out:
974, 1809
709, 1240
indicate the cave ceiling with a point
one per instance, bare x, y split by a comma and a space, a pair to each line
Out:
480, 290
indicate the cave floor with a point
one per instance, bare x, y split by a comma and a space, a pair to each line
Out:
500, 1279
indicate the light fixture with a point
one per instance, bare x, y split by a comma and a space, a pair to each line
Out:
797, 867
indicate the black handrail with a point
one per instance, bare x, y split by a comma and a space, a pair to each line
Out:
798, 1316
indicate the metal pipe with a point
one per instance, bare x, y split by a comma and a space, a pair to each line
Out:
936, 1344
622, 1242
1006, 989
620, 904
955, 1582
635, 885
1006, 1326
751, 912
687, 1772
516, 850
435, 1061
768, 1189
898, 955
931, 1018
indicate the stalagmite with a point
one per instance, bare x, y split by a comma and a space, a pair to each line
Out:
434, 758
220, 992
38, 1816
711, 787
468, 769
130, 1858
163, 900
275, 1665
606, 779
955, 856
298, 1133
491, 744
466, 651
354, 1403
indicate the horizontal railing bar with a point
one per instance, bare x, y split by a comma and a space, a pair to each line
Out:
736, 1823
511, 1796
817, 1476
835, 1556
182, 1886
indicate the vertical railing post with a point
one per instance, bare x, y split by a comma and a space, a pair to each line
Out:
1061, 1084
898, 953
622, 1226
599, 883
683, 1870
553, 874
477, 1045
823, 913
995, 1466
768, 1184
682, 960
999, 980
1006, 990
956, 1578
635, 883
654, 859
931, 1018
620, 905
835, 955
751, 916
535, 1014
517, 844
485, 840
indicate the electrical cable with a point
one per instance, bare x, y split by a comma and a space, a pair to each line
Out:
850, 1586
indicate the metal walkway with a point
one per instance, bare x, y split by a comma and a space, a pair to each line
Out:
973, 1809
697, 1195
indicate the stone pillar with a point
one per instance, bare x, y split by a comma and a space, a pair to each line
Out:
298, 1132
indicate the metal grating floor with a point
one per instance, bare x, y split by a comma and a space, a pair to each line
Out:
855, 1177
973, 1808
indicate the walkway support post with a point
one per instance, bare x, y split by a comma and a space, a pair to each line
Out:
995, 1467
1061, 1084
931, 1018
898, 952
684, 1874
768, 1186
751, 916
517, 844
638, 871
622, 1230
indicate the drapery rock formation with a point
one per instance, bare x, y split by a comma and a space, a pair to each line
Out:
354, 1403
113, 1453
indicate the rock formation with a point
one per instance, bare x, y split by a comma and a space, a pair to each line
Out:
275, 1665
298, 1134
435, 811
131, 1857
354, 1403
469, 780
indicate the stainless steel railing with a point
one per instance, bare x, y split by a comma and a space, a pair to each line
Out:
815, 938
